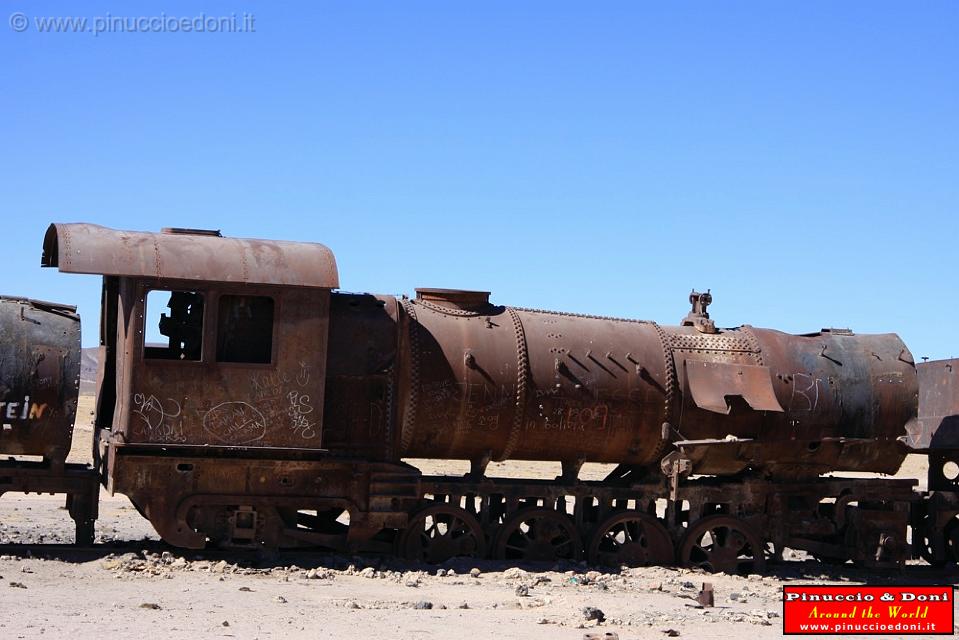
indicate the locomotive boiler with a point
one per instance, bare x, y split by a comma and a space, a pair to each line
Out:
243, 400
495, 382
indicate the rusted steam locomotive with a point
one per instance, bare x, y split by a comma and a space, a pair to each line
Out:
243, 401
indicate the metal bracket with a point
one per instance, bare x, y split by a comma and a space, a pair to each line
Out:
675, 466
698, 317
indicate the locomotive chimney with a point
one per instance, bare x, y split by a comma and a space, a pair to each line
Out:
698, 317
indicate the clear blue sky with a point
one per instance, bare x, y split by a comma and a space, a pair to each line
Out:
801, 159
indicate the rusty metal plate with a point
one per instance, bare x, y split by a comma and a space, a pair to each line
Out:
938, 423
188, 255
711, 382
233, 404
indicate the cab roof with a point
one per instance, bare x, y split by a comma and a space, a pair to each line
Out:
187, 254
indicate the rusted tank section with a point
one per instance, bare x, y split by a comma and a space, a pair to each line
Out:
39, 379
481, 381
361, 376
494, 382
844, 399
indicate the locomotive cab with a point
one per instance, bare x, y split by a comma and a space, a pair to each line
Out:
211, 342
213, 364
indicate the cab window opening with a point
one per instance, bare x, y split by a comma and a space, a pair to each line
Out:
245, 329
173, 325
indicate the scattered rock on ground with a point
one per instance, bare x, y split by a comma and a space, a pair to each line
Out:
593, 613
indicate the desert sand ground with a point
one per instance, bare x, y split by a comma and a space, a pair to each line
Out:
134, 586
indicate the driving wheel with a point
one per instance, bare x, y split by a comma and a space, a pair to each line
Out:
722, 544
630, 539
440, 532
538, 534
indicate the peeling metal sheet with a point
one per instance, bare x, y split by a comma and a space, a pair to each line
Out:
710, 383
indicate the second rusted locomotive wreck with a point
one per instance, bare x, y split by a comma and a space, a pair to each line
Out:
39, 386
243, 401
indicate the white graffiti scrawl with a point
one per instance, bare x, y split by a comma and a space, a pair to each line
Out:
299, 412
235, 423
159, 419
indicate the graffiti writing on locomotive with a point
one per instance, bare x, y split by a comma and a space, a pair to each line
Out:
21, 410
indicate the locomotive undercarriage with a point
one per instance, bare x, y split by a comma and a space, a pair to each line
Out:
719, 525
254, 502
78, 482
357, 506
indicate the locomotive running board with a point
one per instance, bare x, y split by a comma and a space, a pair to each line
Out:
732, 455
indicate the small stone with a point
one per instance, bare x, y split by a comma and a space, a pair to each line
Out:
672, 633
514, 573
150, 605
247, 589
368, 572
423, 604
279, 599
772, 614
735, 596
462, 605
450, 573
687, 585
352, 605
522, 591
18, 585
225, 623
475, 573
440, 573
219, 567
592, 613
